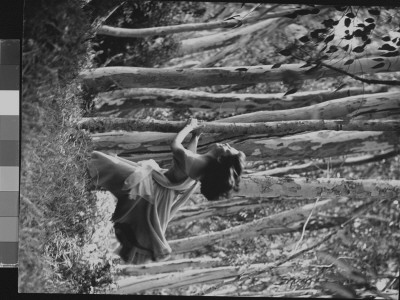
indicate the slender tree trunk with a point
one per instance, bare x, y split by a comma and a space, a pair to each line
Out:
131, 77
133, 285
266, 186
334, 163
145, 145
165, 30
177, 265
223, 39
125, 100
349, 107
265, 128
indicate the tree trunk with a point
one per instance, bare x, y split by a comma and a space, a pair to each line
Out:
349, 107
131, 77
103, 124
165, 30
145, 145
274, 224
334, 163
123, 101
266, 186
168, 266
135, 285
222, 39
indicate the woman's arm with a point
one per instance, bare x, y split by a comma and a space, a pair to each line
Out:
176, 145
194, 141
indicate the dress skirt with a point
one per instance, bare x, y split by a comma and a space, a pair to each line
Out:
149, 201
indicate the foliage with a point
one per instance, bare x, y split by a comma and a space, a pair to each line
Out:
58, 211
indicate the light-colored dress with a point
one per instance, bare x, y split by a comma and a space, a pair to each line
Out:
156, 200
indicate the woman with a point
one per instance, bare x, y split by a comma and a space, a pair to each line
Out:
148, 196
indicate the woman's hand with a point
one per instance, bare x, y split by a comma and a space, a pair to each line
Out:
192, 123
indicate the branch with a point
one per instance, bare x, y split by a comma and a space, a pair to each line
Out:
370, 81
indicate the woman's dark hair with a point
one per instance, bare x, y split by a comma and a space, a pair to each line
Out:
222, 176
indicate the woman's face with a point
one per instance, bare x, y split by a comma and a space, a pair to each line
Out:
223, 150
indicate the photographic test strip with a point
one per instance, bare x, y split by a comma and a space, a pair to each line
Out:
9, 150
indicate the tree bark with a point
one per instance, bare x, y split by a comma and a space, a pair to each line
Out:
135, 285
168, 266
335, 163
123, 101
165, 30
387, 104
274, 224
267, 186
131, 77
146, 145
102, 124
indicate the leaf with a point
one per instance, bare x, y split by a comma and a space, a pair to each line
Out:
286, 52
349, 62
358, 33
378, 59
304, 39
386, 38
391, 54
387, 47
332, 49
361, 25
241, 69
315, 11
345, 48
350, 15
275, 66
292, 91
348, 37
380, 65
369, 20
329, 38
347, 22
358, 49
327, 23
374, 12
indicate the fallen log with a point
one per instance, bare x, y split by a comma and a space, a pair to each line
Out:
121, 102
138, 146
132, 77
387, 104
171, 29
168, 266
324, 165
268, 186
135, 285
103, 124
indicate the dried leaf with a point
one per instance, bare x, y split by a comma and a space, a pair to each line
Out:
329, 38
350, 61
347, 22
292, 91
275, 66
380, 65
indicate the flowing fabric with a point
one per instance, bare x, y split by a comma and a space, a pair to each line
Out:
155, 201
